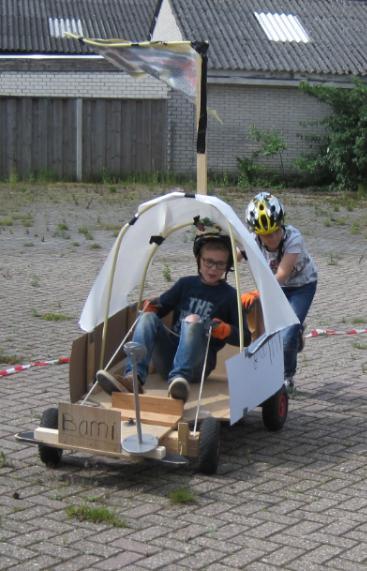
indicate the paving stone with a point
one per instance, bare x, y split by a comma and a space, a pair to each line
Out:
162, 560
120, 561
36, 564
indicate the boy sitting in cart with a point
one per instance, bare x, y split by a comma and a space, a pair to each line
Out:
203, 304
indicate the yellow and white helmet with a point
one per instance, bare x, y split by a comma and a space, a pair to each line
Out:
265, 214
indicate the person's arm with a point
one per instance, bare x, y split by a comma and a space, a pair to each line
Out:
285, 267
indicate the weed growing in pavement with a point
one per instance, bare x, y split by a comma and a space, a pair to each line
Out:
182, 496
166, 272
364, 368
95, 515
35, 280
95, 246
9, 359
357, 345
333, 260
86, 233
2, 459
6, 221
51, 316
62, 231
355, 228
358, 320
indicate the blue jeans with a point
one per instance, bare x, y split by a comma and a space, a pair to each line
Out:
172, 355
300, 298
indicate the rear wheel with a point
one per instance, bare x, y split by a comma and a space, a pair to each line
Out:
209, 446
275, 410
49, 455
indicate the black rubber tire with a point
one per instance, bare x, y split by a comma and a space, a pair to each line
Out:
49, 455
209, 446
275, 410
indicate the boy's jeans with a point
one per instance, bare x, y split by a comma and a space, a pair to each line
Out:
300, 298
172, 355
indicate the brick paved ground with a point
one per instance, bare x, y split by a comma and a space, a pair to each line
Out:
291, 500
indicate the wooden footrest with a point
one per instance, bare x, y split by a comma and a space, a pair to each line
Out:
161, 411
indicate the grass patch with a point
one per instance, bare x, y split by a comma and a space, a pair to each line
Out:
359, 320
86, 233
362, 346
10, 359
95, 515
51, 316
166, 272
35, 281
62, 231
182, 496
6, 221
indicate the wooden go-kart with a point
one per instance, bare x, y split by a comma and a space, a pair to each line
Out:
136, 426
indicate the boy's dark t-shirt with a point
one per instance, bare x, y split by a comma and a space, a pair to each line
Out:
191, 295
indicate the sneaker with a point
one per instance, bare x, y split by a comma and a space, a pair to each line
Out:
289, 384
109, 383
179, 388
128, 383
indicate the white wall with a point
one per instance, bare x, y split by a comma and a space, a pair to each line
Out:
80, 84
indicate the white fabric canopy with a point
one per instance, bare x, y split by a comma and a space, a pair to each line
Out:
156, 217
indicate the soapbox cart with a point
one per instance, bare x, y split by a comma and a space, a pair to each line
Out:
136, 426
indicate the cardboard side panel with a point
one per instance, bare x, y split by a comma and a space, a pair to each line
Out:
86, 351
77, 368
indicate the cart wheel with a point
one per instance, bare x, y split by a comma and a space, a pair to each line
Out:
48, 455
209, 446
275, 410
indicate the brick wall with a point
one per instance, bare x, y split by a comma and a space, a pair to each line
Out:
82, 84
240, 107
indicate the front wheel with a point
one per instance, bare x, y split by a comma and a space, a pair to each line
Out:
209, 446
49, 455
275, 410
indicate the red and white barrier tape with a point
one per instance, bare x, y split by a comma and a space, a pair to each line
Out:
320, 332
19, 368
64, 360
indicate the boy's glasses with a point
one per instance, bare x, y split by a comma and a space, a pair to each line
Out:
212, 264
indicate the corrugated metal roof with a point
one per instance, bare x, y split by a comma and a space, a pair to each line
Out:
337, 29
25, 24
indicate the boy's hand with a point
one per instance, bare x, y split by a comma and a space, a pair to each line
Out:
249, 297
220, 329
149, 306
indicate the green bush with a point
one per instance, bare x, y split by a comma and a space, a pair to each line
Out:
341, 156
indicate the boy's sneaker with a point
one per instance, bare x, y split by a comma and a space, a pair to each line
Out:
179, 388
109, 383
128, 382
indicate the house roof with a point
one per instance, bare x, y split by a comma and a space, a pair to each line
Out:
35, 25
238, 42
337, 31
